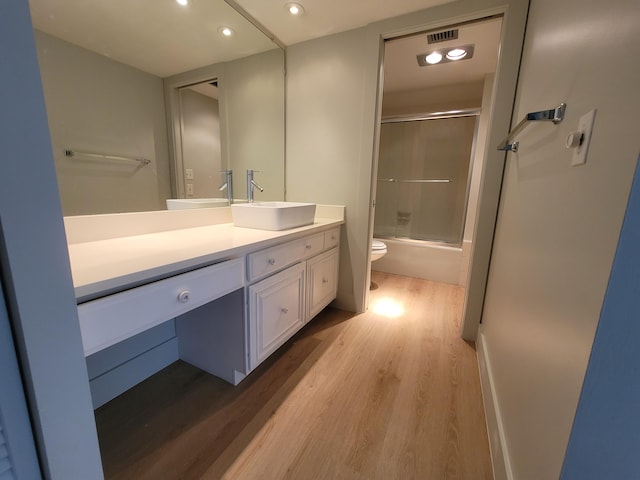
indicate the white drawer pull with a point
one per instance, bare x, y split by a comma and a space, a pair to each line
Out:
184, 296
284, 310
271, 261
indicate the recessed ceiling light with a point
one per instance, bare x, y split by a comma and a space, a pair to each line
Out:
456, 54
226, 31
438, 57
433, 58
183, 2
294, 9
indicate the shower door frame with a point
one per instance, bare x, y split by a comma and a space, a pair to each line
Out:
461, 113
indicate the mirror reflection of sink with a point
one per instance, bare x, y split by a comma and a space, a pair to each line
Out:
183, 203
273, 215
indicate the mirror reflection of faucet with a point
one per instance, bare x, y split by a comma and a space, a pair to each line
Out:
227, 183
251, 184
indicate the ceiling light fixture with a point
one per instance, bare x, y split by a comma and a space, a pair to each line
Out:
183, 2
453, 54
226, 31
456, 54
433, 58
294, 9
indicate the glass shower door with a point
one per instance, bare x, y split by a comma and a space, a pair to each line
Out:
423, 176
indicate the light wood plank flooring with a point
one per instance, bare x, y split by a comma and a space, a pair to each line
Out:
390, 394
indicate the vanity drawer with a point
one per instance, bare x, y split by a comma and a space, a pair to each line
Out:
109, 320
268, 261
331, 238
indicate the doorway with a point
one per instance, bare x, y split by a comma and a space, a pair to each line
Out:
431, 147
495, 93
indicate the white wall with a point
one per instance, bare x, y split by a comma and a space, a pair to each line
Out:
99, 105
434, 99
558, 225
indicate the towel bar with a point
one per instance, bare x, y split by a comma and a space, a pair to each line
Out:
554, 115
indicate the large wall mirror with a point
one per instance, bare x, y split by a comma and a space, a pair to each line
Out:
148, 100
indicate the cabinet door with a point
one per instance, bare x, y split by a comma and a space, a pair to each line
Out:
322, 281
276, 312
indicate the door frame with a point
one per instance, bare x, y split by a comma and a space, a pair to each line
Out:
514, 13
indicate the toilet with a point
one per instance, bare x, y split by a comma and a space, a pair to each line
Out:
378, 250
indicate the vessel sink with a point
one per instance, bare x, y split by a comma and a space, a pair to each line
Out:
273, 215
183, 203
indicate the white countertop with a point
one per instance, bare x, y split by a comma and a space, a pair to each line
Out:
105, 266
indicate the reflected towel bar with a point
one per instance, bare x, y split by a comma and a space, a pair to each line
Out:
554, 115
412, 181
74, 153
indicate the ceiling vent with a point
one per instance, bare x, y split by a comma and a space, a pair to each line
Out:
442, 36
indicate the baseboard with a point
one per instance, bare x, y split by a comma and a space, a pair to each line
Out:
495, 429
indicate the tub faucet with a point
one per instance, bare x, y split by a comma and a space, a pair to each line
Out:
228, 184
251, 184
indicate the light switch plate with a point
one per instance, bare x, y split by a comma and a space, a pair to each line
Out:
188, 173
585, 126
190, 189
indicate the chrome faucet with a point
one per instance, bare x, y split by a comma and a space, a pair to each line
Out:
228, 184
251, 184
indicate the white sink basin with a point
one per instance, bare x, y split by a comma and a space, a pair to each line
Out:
273, 215
182, 203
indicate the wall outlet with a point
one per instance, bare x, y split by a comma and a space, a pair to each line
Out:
190, 189
585, 127
188, 173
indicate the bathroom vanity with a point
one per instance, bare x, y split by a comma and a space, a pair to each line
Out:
197, 288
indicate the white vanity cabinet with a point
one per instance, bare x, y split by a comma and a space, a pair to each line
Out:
224, 318
276, 312
322, 281
280, 304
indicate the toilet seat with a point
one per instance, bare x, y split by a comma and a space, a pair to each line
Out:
378, 250
378, 245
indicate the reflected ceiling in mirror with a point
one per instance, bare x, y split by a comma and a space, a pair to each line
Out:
160, 37
104, 64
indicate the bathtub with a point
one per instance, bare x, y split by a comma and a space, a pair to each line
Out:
428, 260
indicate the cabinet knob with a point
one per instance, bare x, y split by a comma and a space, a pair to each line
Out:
284, 310
271, 261
307, 246
184, 296
324, 280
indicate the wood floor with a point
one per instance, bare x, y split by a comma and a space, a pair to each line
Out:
390, 394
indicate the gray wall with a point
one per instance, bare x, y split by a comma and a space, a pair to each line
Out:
332, 113
253, 88
559, 225
201, 143
606, 431
99, 105
35, 265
